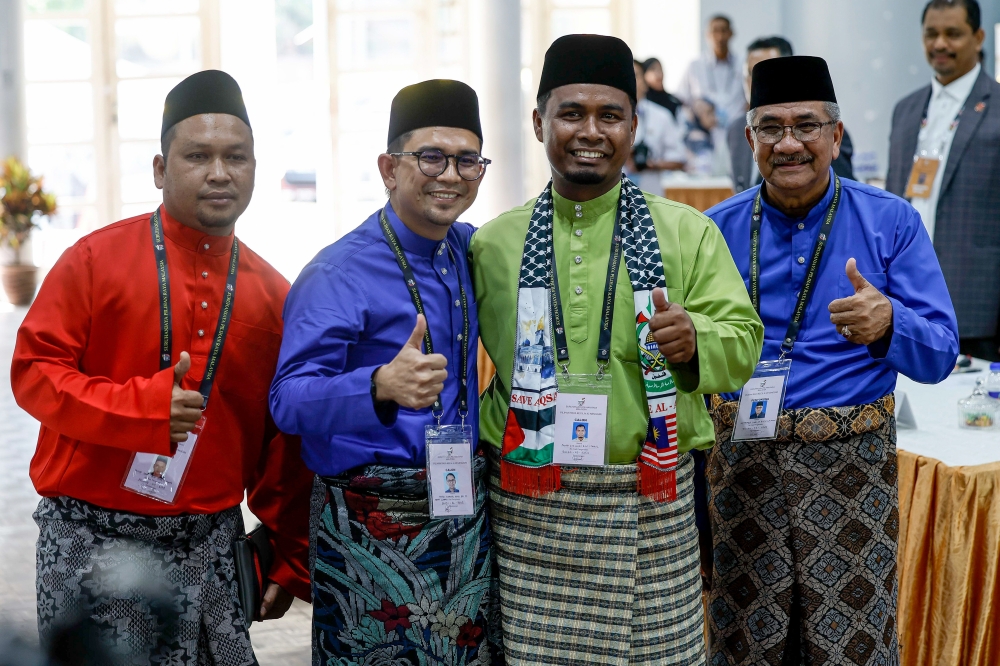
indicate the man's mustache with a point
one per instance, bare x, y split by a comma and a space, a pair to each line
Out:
950, 54
779, 160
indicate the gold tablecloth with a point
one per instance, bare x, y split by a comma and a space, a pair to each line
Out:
949, 562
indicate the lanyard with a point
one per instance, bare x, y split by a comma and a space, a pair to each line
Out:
608, 308
225, 314
951, 127
411, 284
792, 334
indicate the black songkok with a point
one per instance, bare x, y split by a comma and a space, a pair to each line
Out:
588, 59
210, 91
434, 103
791, 79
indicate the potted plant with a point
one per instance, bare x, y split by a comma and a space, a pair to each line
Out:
21, 201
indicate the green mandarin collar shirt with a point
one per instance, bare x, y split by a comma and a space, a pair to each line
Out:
700, 275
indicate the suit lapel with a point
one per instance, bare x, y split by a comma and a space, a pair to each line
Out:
972, 116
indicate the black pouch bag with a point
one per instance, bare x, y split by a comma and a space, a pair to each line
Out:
254, 557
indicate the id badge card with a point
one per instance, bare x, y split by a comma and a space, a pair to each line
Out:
451, 492
922, 177
160, 477
582, 420
761, 401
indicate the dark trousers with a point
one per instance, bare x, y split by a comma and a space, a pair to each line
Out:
984, 348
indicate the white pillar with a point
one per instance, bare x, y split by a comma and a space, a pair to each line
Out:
500, 106
12, 119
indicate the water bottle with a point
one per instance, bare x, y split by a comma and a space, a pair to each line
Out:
993, 381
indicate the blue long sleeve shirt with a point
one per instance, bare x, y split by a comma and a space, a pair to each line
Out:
350, 312
885, 236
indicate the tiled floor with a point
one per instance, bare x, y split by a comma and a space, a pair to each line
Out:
284, 641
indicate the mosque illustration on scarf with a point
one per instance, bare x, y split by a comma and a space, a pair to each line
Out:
533, 355
650, 357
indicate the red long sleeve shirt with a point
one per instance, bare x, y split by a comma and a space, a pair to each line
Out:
86, 364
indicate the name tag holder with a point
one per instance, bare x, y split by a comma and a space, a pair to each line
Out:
160, 477
763, 397
921, 182
926, 163
761, 401
451, 491
581, 420
156, 476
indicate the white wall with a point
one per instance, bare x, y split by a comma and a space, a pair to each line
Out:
873, 48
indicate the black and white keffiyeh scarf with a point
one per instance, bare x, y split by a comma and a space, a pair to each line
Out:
528, 442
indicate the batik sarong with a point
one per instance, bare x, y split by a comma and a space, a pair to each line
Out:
393, 586
805, 534
595, 573
160, 589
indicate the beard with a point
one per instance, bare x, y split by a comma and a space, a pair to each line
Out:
217, 220
584, 177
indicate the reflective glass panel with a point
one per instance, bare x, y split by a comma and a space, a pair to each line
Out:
69, 171
65, 217
373, 5
574, 21
137, 171
133, 209
39, 6
294, 31
56, 50
158, 47
147, 7
59, 112
140, 107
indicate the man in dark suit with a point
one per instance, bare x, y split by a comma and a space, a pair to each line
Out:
743, 169
944, 156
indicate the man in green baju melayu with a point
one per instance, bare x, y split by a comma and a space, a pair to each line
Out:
595, 538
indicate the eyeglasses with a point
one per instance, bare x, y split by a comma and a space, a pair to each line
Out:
804, 132
433, 163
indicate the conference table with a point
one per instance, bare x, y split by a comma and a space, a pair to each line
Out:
699, 193
949, 529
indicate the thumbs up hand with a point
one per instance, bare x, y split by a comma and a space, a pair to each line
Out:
864, 317
412, 379
673, 330
185, 406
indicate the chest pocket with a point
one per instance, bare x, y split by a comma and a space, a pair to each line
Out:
249, 358
846, 289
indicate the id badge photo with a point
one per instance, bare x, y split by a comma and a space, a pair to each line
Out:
581, 420
451, 492
761, 401
160, 477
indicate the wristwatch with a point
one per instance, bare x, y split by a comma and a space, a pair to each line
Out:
385, 410
375, 400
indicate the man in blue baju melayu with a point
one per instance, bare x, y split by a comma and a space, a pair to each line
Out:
805, 514
380, 342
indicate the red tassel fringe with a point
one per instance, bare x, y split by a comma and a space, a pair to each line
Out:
656, 484
530, 481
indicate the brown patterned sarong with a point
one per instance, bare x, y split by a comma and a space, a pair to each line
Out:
805, 531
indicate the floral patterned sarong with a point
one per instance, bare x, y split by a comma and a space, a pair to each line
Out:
393, 586
161, 590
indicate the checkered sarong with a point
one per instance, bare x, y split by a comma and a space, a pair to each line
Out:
805, 530
596, 574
